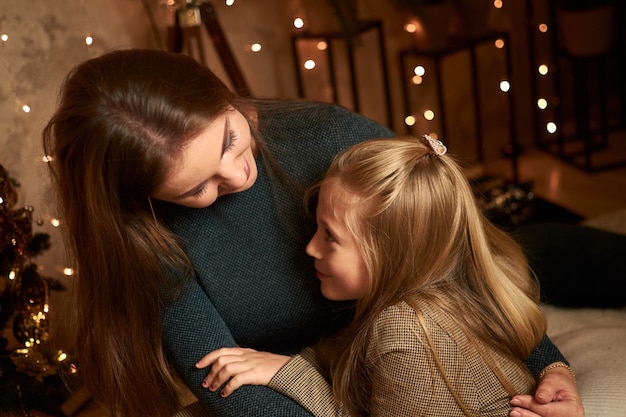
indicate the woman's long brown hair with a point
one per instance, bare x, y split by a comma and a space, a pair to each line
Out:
122, 119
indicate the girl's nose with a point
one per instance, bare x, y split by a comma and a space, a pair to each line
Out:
311, 247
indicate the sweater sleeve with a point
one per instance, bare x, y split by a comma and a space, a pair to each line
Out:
544, 354
301, 380
193, 325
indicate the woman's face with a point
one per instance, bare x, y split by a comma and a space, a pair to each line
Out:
219, 161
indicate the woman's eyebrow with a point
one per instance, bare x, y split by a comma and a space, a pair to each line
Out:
226, 137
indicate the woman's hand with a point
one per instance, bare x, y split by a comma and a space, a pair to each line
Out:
239, 366
556, 396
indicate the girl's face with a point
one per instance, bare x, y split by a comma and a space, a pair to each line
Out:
338, 261
219, 161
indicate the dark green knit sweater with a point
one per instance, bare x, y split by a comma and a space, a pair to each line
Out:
254, 285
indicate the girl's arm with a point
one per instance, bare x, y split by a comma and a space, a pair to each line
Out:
296, 377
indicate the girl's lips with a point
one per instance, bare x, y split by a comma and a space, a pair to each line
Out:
320, 275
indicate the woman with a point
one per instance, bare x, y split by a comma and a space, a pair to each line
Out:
131, 128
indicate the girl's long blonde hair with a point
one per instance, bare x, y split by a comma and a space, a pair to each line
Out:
422, 236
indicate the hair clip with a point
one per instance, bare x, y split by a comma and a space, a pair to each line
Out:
436, 145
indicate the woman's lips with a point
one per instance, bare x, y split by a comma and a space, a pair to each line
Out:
246, 168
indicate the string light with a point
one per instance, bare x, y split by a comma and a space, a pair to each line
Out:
309, 64
298, 23
68, 272
88, 40
543, 69
498, 4
429, 115
551, 127
409, 120
542, 103
505, 86
499, 43
543, 28
419, 70
256, 47
322, 46
229, 2
4, 37
417, 80
26, 108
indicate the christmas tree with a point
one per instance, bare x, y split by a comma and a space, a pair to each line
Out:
30, 371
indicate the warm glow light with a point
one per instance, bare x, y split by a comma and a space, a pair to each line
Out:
68, 271
543, 28
542, 103
309, 64
417, 80
419, 70
88, 40
499, 43
505, 86
551, 127
429, 115
61, 356
321, 46
55, 222
4, 37
497, 4
46, 158
409, 120
543, 69
12, 275
410, 27
256, 47
26, 108
230, 2
298, 23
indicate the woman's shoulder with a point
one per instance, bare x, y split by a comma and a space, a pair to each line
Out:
313, 119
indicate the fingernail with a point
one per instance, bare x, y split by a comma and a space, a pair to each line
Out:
515, 414
516, 402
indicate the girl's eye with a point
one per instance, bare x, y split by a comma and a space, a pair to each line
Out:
329, 236
230, 143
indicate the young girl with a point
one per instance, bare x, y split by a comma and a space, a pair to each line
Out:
446, 310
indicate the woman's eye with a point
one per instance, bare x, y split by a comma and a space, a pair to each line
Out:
200, 191
230, 143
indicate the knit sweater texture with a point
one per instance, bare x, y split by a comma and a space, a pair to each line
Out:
254, 285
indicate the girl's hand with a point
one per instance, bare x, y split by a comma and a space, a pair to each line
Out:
239, 366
